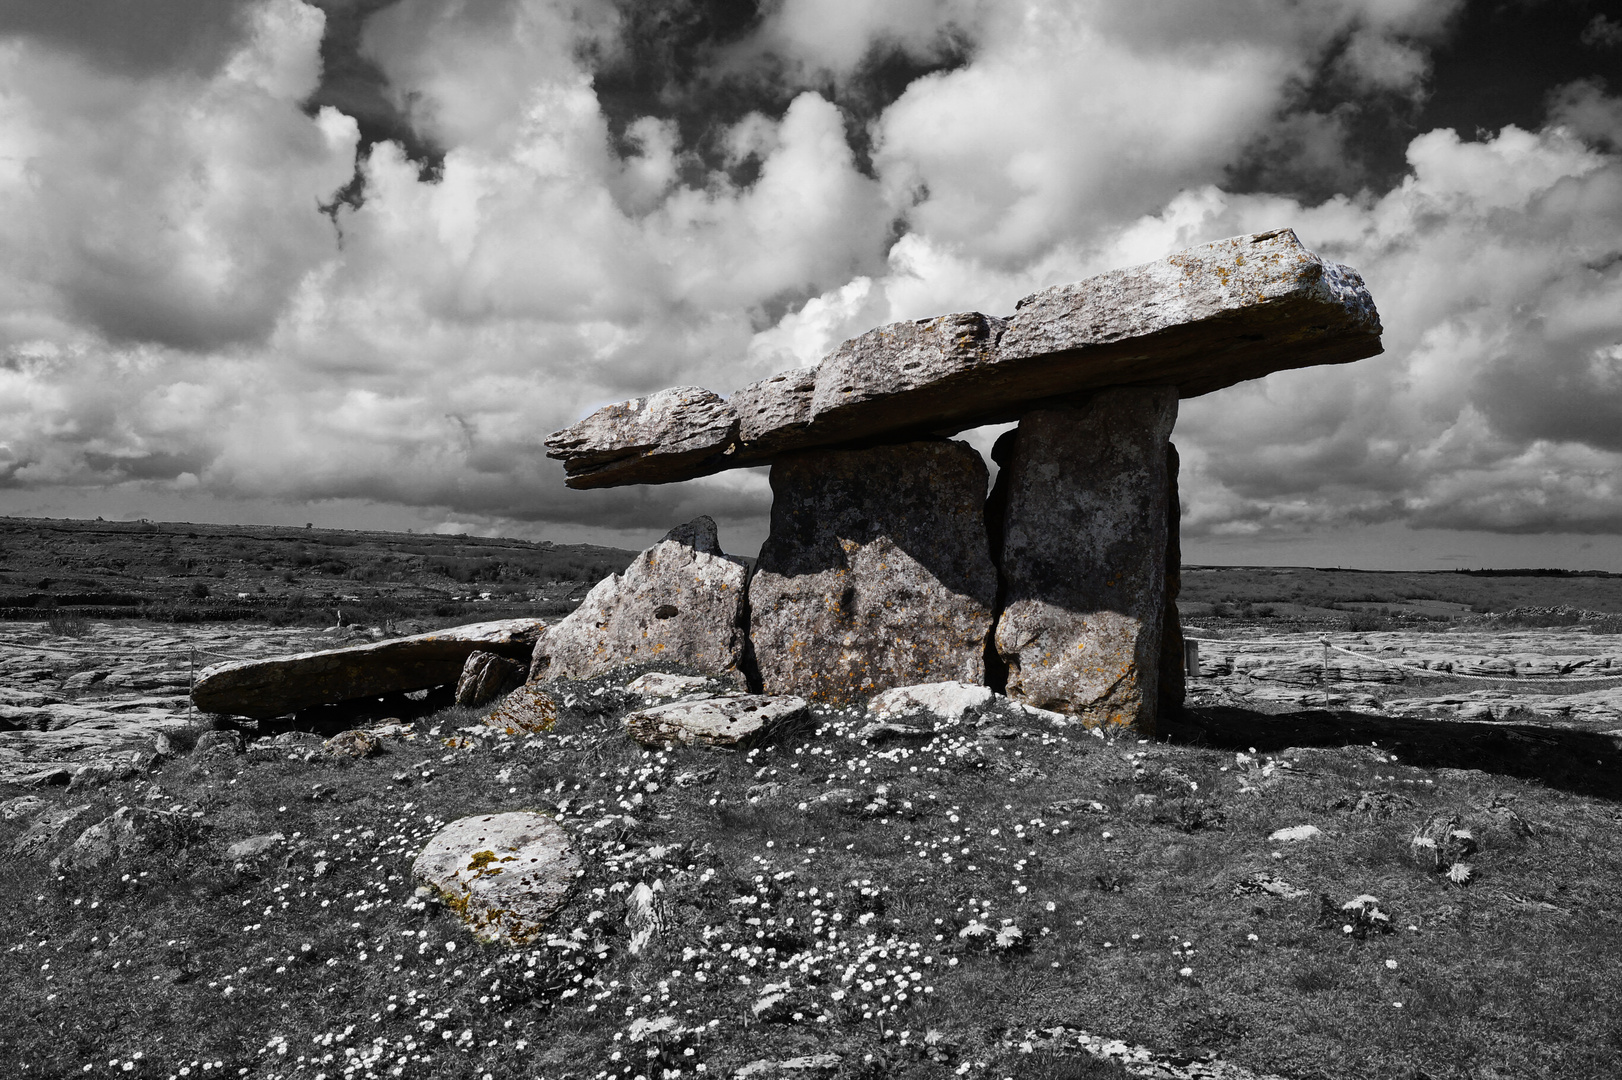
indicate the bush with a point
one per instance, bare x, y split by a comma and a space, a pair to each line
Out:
198, 591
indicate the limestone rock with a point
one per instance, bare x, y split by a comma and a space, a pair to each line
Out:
505, 874
45, 830
680, 602
949, 702
644, 915
733, 720
129, 831
528, 710
221, 743
268, 688
1172, 677
662, 684
1083, 550
877, 572
1296, 833
486, 676
674, 431
1198, 320
21, 806
253, 847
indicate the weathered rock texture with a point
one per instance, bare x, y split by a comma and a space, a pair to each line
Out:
680, 602
731, 720
505, 874
486, 676
1172, 682
1083, 556
528, 710
267, 688
1198, 320
876, 572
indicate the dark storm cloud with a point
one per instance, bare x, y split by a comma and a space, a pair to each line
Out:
149, 37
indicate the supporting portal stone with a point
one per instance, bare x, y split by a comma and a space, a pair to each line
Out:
1171, 626
1083, 556
680, 602
876, 573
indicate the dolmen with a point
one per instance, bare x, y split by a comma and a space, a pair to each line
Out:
888, 564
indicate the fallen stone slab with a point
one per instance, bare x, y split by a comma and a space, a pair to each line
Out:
877, 572
1198, 320
504, 874
1083, 543
679, 602
948, 702
528, 710
729, 721
262, 689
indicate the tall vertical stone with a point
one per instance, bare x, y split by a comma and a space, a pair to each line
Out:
1171, 626
876, 573
1084, 540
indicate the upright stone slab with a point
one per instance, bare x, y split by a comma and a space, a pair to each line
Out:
1172, 686
680, 602
1083, 544
876, 573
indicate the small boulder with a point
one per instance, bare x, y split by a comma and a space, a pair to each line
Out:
732, 720
486, 676
505, 874
661, 684
49, 827
221, 743
1296, 833
947, 702
528, 710
129, 831
354, 743
254, 846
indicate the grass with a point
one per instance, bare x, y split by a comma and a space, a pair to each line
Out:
1128, 869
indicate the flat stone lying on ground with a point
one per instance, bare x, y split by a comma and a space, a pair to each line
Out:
1083, 493
1198, 320
263, 689
876, 573
726, 721
679, 602
504, 874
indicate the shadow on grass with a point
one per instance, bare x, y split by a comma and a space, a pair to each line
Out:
1581, 762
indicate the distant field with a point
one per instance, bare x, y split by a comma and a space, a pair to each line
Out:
1308, 595
177, 571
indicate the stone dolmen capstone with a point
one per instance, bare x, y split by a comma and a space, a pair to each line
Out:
876, 572
505, 874
262, 689
1199, 320
679, 602
1083, 555
888, 566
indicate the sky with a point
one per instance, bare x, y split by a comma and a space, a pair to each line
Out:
349, 262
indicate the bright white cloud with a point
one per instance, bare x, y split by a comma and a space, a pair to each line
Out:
175, 313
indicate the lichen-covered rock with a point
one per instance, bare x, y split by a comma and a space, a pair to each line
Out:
354, 743
663, 684
1083, 556
679, 602
504, 874
486, 676
528, 710
674, 431
944, 701
727, 721
1172, 676
877, 572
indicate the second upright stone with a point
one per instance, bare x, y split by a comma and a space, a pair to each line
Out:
877, 572
1083, 496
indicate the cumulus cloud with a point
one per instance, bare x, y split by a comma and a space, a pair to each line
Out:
178, 316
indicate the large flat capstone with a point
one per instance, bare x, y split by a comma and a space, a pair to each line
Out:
1083, 548
1199, 320
679, 602
272, 687
876, 572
